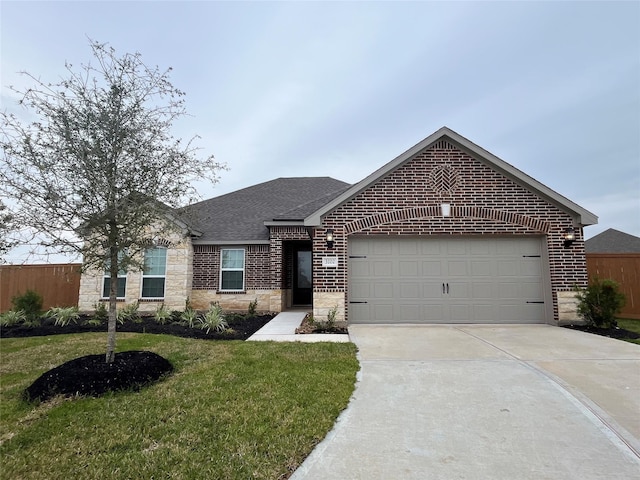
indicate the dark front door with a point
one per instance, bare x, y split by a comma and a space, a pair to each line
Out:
302, 278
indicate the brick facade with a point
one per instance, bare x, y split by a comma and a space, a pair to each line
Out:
483, 202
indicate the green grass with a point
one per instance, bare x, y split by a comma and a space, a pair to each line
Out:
631, 325
230, 410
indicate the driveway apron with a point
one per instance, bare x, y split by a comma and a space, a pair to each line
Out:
486, 402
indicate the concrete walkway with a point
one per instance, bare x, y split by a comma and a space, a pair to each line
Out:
486, 402
283, 329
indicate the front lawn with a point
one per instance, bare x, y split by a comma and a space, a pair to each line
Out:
632, 326
230, 410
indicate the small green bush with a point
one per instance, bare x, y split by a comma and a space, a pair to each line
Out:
162, 315
213, 319
101, 313
189, 317
128, 312
331, 317
63, 316
253, 307
30, 302
600, 302
12, 317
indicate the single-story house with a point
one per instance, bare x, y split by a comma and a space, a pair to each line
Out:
444, 233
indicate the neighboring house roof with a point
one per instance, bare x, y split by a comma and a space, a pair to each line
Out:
581, 216
240, 216
613, 241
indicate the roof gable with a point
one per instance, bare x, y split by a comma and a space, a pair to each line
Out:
613, 241
581, 215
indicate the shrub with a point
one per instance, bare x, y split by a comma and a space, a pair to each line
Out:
12, 317
128, 312
30, 302
101, 313
253, 307
213, 319
331, 317
63, 316
599, 303
162, 314
189, 317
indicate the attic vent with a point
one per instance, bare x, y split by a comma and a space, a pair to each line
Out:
442, 145
443, 179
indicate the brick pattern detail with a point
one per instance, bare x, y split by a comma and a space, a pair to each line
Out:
484, 202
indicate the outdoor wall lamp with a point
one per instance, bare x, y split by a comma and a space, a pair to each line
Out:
329, 238
569, 236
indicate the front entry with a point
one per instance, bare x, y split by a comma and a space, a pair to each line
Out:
302, 293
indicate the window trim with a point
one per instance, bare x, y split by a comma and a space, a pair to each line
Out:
163, 276
243, 269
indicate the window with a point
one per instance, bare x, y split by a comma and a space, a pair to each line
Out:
106, 286
232, 269
153, 275
122, 281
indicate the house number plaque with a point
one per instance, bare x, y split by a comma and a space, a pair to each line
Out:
331, 262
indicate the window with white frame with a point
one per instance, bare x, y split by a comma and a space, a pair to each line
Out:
121, 286
232, 269
154, 272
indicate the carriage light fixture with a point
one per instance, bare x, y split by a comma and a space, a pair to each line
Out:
569, 237
329, 238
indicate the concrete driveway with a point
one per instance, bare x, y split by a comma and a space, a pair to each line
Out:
486, 402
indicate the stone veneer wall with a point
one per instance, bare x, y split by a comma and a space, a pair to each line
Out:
484, 202
177, 282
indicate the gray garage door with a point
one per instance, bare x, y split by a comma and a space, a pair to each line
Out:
447, 280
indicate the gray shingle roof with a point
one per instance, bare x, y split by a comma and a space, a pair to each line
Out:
239, 216
613, 241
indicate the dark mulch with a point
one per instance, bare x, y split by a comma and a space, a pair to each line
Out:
308, 326
92, 376
243, 328
618, 333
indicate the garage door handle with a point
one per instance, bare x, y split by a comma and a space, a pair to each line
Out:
534, 301
447, 289
443, 289
358, 302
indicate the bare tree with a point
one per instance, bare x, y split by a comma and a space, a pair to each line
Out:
97, 165
6, 228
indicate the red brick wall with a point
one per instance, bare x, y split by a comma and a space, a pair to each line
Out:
206, 267
484, 202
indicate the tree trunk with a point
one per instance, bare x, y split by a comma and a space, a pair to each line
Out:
113, 293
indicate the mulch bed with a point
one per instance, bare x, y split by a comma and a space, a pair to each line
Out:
242, 328
92, 376
618, 333
307, 326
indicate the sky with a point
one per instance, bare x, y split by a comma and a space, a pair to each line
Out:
297, 89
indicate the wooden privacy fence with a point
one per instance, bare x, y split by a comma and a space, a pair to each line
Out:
58, 284
624, 268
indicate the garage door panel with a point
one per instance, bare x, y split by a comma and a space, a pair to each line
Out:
489, 279
408, 269
482, 268
360, 290
411, 290
458, 268
431, 268
383, 290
